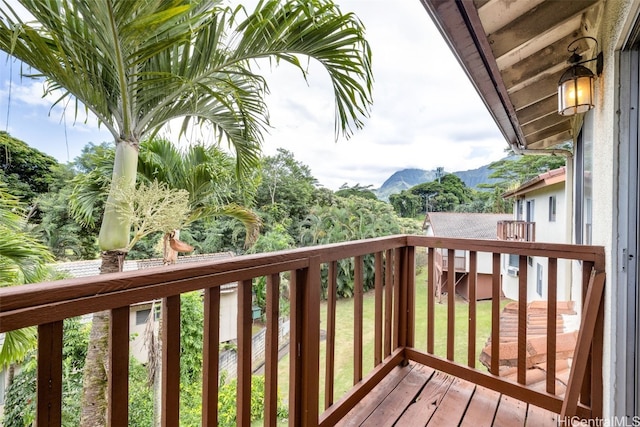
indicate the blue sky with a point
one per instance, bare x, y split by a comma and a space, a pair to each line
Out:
425, 113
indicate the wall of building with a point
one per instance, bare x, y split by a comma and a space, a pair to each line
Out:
617, 20
546, 231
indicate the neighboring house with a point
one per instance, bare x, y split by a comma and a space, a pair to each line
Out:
515, 53
467, 226
539, 215
140, 312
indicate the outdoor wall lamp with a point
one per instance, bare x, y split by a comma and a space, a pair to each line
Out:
575, 88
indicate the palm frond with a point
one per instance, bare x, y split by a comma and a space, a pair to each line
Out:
247, 217
16, 345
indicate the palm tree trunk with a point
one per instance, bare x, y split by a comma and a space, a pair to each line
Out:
96, 368
113, 241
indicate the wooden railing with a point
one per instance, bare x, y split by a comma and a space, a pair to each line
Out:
46, 305
521, 231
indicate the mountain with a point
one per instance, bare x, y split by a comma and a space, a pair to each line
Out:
408, 178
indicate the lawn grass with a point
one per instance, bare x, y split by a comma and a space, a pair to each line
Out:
343, 378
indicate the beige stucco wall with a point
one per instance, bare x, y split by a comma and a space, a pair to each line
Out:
617, 19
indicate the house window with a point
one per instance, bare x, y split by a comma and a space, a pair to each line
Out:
552, 209
514, 260
142, 316
539, 280
519, 208
531, 207
584, 189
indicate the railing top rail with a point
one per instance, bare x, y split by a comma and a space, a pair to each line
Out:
190, 276
594, 254
86, 295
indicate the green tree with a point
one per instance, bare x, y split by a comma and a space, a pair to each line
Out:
66, 237
356, 190
352, 218
28, 172
406, 204
442, 195
287, 190
512, 172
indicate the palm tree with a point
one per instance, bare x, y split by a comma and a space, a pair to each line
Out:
205, 172
23, 259
138, 64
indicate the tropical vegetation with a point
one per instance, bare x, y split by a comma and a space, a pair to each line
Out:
138, 65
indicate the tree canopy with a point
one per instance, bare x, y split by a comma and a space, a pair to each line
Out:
26, 171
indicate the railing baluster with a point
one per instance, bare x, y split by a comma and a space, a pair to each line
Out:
170, 361
388, 301
377, 351
522, 320
211, 357
357, 319
585, 392
271, 351
118, 409
410, 275
495, 315
552, 315
49, 382
243, 392
296, 295
396, 298
597, 351
311, 344
431, 287
451, 303
473, 269
331, 334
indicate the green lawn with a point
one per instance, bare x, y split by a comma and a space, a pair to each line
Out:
343, 379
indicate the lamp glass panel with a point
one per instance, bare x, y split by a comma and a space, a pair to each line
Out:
576, 96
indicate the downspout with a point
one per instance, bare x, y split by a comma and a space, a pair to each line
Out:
568, 204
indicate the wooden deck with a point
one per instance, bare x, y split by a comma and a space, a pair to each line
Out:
416, 395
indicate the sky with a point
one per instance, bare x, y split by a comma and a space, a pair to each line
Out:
425, 112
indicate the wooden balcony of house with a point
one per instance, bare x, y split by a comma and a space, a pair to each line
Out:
521, 231
403, 382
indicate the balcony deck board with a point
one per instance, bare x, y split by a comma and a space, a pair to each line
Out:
416, 395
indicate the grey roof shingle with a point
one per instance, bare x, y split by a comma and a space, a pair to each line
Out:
465, 225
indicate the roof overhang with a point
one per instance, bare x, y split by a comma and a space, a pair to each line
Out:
514, 53
543, 180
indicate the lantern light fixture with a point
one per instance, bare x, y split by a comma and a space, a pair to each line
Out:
576, 85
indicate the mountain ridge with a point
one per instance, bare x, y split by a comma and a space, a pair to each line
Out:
407, 178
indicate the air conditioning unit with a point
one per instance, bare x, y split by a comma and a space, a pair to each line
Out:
512, 271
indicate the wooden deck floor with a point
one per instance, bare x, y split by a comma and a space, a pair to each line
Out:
416, 395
